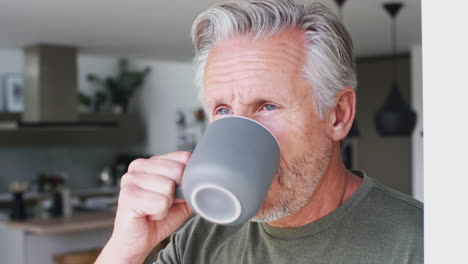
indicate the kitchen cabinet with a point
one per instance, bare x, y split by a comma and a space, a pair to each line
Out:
37, 241
91, 129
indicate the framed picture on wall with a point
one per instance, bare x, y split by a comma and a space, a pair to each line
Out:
13, 100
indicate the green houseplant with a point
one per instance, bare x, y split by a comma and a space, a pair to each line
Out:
121, 87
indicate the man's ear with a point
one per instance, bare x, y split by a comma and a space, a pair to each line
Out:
342, 116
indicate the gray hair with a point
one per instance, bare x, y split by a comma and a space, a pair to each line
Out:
329, 64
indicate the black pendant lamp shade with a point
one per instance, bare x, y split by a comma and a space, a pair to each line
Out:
393, 8
340, 4
395, 117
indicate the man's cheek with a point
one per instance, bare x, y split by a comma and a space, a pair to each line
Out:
277, 129
285, 137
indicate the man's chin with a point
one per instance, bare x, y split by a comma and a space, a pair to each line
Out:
268, 216
261, 219
276, 210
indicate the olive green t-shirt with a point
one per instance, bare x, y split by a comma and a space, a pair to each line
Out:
376, 225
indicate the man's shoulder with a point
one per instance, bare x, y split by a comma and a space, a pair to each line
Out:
391, 209
384, 221
393, 199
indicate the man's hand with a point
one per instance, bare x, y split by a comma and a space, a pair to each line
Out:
147, 211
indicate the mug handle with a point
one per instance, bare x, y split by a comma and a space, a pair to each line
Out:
178, 193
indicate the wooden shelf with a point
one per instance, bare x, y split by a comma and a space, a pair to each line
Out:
128, 129
75, 223
31, 198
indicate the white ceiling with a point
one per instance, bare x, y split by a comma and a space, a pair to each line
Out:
160, 28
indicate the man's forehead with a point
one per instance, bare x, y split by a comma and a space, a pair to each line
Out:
250, 95
249, 70
287, 45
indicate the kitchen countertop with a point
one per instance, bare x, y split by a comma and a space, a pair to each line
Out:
31, 197
74, 223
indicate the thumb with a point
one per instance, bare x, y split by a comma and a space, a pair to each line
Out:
176, 215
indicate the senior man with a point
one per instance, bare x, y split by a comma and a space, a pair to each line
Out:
292, 69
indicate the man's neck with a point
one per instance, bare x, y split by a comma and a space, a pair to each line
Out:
335, 188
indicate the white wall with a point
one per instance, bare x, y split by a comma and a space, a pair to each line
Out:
11, 61
445, 93
169, 87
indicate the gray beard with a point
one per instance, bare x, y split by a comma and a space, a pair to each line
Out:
298, 183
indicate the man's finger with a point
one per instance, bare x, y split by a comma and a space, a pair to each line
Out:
180, 156
164, 167
149, 182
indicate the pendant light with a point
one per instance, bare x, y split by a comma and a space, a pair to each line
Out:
395, 117
340, 4
354, 131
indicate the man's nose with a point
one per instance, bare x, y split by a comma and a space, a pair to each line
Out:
243, 113
246, 115
243, 110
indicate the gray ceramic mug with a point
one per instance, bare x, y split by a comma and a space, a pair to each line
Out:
230, 171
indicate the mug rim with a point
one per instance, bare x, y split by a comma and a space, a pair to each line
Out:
237, 205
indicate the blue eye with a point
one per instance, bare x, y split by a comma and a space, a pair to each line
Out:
269, 107
222, 111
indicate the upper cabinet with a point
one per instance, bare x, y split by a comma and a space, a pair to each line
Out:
90, 129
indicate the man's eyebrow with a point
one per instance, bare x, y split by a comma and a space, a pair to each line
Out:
255, 101
216, 102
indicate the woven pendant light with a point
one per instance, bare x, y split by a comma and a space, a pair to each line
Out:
395, 117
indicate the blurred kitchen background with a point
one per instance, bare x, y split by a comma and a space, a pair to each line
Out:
87, 86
